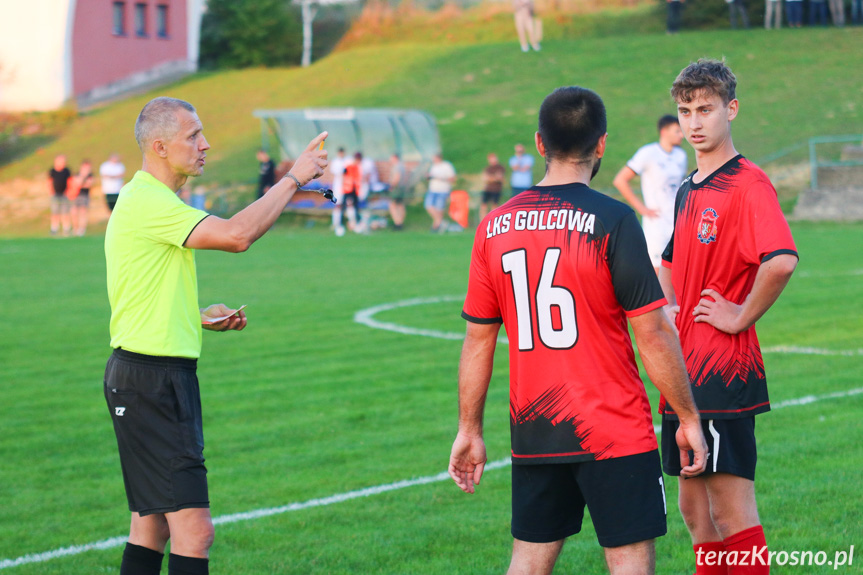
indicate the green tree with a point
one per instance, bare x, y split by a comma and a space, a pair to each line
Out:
246, 33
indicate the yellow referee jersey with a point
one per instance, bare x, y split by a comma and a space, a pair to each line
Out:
152, 282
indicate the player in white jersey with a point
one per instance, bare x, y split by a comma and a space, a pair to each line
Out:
662, 167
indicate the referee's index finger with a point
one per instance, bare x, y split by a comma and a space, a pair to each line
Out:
313, 145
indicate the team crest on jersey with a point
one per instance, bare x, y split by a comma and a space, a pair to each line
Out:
707, 228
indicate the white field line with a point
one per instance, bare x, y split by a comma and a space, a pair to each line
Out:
342, 497
248, 515
366, 317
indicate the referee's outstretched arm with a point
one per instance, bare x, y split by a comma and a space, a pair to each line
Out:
246, 227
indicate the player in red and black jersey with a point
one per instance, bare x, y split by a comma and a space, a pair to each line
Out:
563, 268
730, 257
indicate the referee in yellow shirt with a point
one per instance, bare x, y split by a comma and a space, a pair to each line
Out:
150, 381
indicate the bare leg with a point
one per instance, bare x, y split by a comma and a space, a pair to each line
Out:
436, 216
192, 532
150, 531
635, 559
695, 509
534, 558
521, 16
732, 503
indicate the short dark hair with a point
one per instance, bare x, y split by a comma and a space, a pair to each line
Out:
708, 76
571, 122
665, 121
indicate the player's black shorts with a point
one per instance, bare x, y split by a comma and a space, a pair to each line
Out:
491, 197
731, 443
156, 409
625, 496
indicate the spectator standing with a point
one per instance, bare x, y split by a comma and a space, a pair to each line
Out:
351, 184
525, 25
857, 12
521, 165
837, 12
563, 267
58, 179
151, 383
737, 8
675, 9
729, 259
369, 182
661, 167
397, 190
337, 169
493, 177
266, 173
772, 14
441, 178
112, 173
81, 203
817, 12
795, 13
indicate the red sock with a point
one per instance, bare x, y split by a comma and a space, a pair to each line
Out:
751, 552
710, 558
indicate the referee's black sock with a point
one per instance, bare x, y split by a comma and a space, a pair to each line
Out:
181, 565
139, 560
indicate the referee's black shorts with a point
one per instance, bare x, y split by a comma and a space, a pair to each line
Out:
156, 409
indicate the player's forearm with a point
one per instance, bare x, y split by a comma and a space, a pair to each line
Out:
664, 276
772, 277
661, 355
474, 375
625, 190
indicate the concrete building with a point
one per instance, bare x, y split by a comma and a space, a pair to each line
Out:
55, 51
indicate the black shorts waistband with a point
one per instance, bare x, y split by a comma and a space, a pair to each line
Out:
156, 360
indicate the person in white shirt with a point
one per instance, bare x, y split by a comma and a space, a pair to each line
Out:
661, 167
112, 173
441, 178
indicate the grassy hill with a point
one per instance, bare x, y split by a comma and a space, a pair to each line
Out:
794, 84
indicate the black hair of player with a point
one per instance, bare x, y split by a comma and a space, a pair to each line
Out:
665, 121
571, 122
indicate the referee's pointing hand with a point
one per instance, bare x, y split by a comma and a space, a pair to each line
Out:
312, 162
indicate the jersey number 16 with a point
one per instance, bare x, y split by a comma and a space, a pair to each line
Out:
547, 297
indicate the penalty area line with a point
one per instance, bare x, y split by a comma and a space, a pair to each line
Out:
342, 497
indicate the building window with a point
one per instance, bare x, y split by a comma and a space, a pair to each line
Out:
140, 19
162, 21
119, 20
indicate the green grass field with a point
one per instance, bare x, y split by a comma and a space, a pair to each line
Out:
306, 404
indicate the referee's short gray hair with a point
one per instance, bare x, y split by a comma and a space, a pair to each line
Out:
158, 119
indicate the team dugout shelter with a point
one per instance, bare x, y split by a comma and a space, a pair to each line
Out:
377, 133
